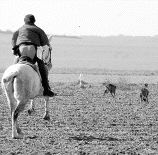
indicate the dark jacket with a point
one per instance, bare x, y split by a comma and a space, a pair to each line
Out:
30, 33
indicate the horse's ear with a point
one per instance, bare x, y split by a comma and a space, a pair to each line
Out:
50, 38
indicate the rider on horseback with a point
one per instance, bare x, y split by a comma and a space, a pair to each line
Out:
25, 42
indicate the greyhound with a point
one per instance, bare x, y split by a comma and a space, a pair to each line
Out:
110, 88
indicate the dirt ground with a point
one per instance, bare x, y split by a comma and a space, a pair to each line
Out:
84, 122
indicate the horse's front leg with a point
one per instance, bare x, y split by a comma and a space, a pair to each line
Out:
31, 107
46, 114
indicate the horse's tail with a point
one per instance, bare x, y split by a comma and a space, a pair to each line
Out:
7, 84
7, 81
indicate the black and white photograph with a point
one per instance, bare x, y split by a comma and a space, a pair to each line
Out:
78, 77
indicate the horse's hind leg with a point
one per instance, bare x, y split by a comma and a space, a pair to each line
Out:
11, 102
16, 131
32, 107
46, 115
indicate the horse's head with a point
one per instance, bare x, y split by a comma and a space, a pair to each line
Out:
45, 55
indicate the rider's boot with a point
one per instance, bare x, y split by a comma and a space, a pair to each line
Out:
44, 76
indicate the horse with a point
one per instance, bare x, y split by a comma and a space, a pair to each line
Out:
21, 83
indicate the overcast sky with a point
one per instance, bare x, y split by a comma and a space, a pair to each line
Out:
84, 17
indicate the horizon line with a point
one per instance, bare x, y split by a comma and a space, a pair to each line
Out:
78, 36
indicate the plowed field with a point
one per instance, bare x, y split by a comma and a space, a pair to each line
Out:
84, 122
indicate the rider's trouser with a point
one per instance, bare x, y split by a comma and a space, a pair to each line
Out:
44, 73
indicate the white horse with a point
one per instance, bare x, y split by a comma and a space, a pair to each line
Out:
21, 84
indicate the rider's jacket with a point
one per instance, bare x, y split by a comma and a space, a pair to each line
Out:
30, 34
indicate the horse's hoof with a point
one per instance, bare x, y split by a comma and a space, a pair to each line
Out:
47, 118
19, 136
30, 111
19, 131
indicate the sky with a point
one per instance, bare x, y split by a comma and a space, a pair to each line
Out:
84, 17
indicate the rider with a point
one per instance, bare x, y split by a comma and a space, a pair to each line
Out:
25, 42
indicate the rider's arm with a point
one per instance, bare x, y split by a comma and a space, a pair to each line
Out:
14, 38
